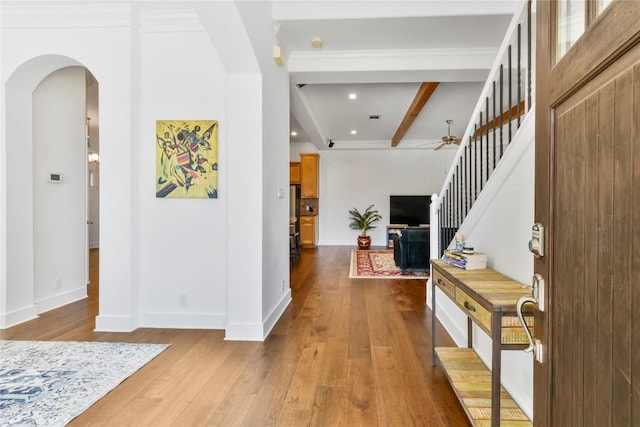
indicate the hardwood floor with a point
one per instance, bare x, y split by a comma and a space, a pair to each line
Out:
352, 352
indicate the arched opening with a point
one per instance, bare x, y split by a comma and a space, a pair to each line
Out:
47, 181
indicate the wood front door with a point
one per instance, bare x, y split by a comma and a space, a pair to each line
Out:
588, 198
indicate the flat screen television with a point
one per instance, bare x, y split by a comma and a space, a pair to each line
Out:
409, 210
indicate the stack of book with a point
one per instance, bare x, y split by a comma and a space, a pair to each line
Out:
475, 261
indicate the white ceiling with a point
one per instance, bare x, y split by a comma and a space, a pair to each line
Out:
382, 50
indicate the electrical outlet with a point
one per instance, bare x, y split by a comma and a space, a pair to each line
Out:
182, 300
57, 284
282, 285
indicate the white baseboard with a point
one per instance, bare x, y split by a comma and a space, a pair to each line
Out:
244, 332
16, 317
276, 313
175, 320
58, 300
116, 323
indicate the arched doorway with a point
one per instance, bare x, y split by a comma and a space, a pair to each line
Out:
46, 186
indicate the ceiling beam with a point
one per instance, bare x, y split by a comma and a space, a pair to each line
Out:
423, 95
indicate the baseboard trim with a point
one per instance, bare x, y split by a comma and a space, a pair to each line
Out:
244, 332
116, 323
276, 313
58, 300
16, 317
175, 320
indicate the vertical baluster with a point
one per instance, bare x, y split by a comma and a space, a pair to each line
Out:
440, 248
451, 200
458, 195
468, 176
519, 53
481, 158
495, 123
487, 138
501, 107
529, 55
448, 213
462, 184
475, 164
446, 222
460, 206
510, 90
443, 220
455, 198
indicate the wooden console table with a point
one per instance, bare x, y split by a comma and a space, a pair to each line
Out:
489, 300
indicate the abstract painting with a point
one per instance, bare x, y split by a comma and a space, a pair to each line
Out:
187, 159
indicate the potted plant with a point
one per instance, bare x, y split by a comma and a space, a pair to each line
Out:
364, 221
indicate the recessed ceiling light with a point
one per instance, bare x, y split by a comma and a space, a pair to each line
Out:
353, 95
294, 133
353, 132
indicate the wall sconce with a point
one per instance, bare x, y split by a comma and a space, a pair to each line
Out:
94, 158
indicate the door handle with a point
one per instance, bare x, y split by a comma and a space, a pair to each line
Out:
535, 344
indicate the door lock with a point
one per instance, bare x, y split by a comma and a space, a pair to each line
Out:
536, 244
537, 299
535, 344
538, 291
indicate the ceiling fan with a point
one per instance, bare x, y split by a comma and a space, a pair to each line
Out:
448, 139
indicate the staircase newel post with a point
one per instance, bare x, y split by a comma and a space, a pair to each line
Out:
434, 236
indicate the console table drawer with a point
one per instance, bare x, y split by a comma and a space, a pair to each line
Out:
445, 285
474, 309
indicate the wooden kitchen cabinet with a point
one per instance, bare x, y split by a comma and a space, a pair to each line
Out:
294, 172
308, 232
309, 166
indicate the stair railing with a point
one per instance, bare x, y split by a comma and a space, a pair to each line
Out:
506, 97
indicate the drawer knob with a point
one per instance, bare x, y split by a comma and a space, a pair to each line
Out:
469, 306
440, 282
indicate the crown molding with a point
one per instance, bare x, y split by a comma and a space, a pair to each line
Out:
93, 15
60, 16
400, 59
169, 21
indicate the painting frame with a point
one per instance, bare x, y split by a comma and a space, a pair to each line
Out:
187, 159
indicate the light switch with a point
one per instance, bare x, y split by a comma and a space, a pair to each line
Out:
54, 177
280, 193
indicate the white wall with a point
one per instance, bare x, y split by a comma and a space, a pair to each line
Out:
181, 242
38, 40
350, 178
154, 64
274, 147
158, 64
59, 146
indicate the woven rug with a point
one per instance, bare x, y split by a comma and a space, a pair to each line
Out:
48, 383
379, 264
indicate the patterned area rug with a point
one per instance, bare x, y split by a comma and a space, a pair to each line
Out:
376, 264
48, 383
